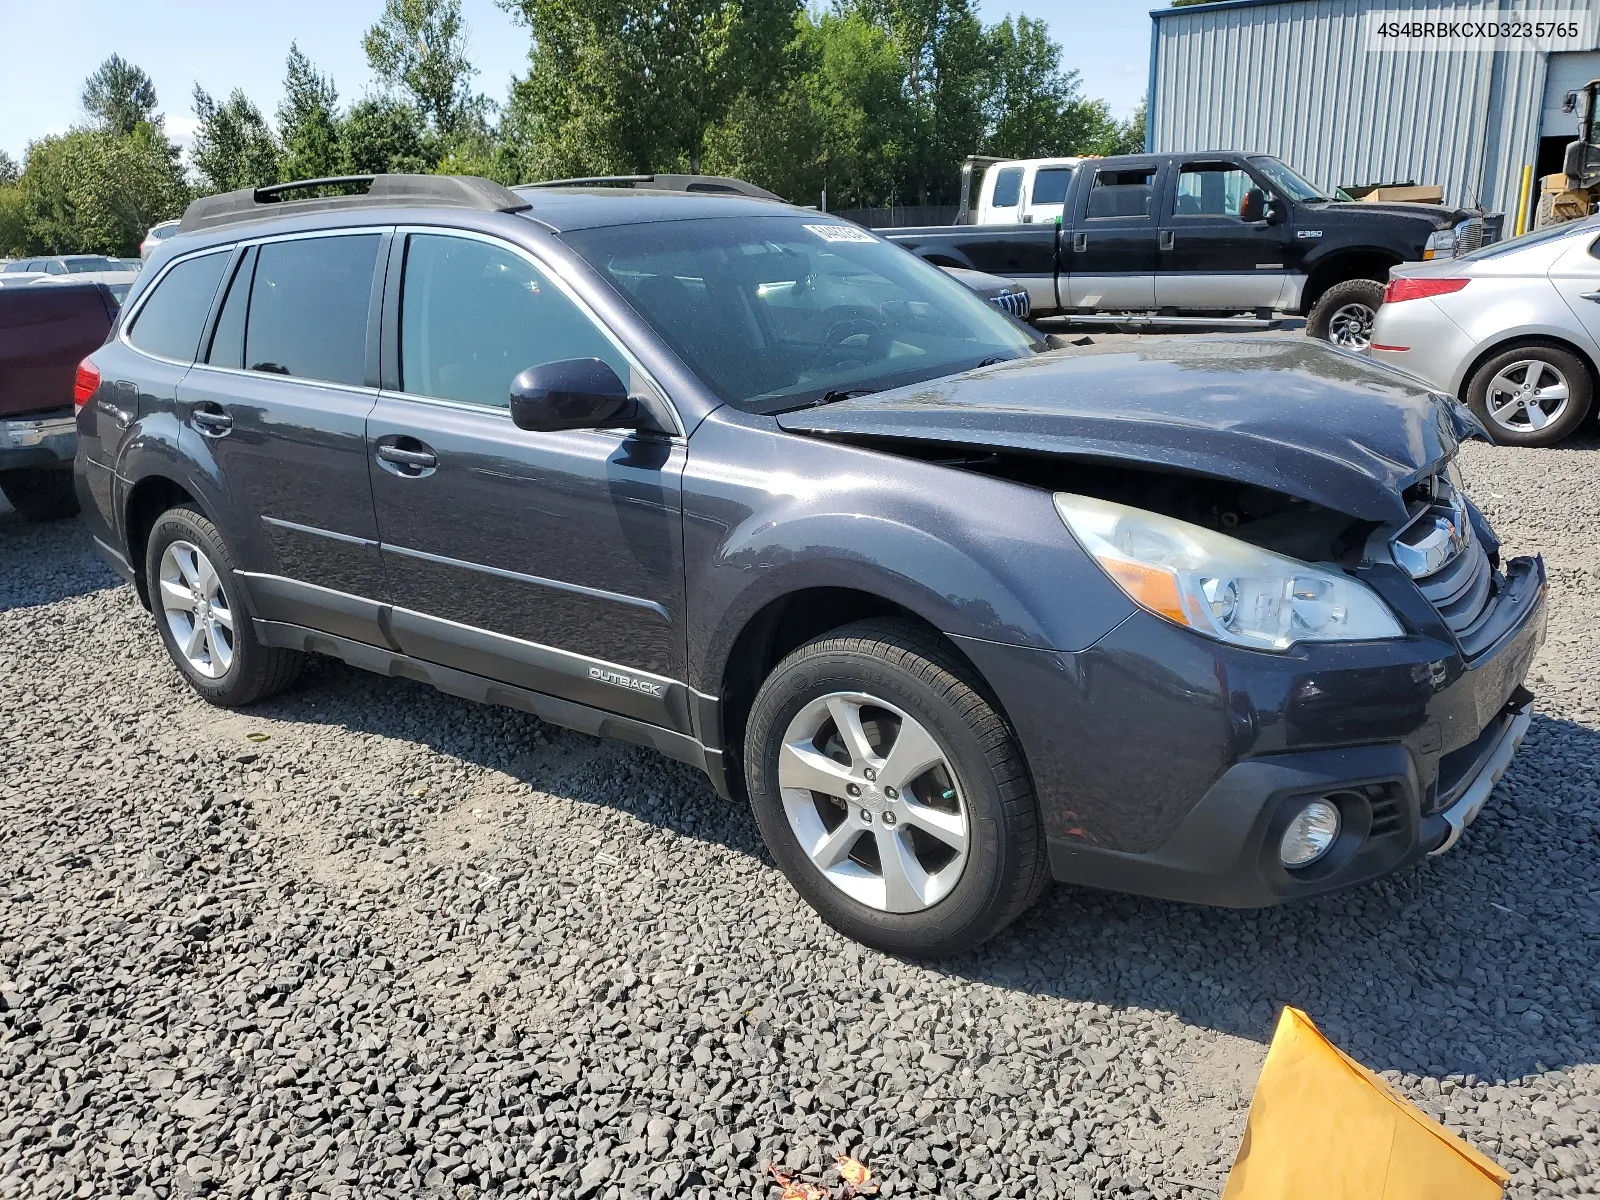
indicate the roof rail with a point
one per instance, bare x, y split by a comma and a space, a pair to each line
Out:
375, 191
720, 185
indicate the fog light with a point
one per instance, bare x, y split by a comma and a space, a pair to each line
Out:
1310, 834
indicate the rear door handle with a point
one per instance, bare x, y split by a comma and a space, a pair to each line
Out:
1167, 238
1595, 296
408, 461
1080, 242
211, 419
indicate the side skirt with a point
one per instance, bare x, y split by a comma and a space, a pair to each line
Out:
557, 711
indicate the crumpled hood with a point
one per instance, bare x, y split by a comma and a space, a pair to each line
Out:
1295, 416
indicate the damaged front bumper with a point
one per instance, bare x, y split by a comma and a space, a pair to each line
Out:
1169, 765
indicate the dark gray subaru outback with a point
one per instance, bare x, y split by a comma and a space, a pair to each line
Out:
958, 610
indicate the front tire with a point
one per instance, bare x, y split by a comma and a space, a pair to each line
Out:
891, 793
202, 618
41, 493
1343, 314
1533, 394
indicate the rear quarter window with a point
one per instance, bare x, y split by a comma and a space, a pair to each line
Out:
169, 321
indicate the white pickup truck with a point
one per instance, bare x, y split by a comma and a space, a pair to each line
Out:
1026, 191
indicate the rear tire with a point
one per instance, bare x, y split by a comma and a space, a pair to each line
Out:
1517, 387
41, 493
882, 865
1344, 313
194, 595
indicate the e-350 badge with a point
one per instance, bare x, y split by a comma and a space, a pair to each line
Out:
622, 679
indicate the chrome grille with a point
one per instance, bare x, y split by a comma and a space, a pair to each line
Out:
1450, 566
1469, 235
1016, 304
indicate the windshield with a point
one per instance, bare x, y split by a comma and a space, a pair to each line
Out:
778, 312
1288, 181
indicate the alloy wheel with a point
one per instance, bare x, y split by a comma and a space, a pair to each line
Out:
1526, 395
196, 609
1350, 327
873, 802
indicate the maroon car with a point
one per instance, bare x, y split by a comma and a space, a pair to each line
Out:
45, 332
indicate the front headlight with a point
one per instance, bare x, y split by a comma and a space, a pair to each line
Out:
1220, 586
1441, 243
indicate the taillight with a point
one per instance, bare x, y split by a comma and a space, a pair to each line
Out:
86, 384
1408, 287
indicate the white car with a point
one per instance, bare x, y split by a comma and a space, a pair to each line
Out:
1513, 329
157, 234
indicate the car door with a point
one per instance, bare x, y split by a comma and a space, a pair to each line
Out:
278, 401
551, 561
1112, 260
1576, 276
1210, 257
1047, 194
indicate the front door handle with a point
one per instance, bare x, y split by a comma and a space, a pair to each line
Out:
1080, 242
1595, 296
212, 420
411, 461
1168, 237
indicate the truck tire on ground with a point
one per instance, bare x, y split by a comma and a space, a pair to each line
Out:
891, 793
1344, 313
1531, 394
202, 618
40, 493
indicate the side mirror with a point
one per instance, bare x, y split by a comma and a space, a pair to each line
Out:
571, 393
1253, 206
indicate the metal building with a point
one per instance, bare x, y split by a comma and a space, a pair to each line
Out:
1294, 78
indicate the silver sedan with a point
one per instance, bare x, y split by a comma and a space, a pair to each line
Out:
1513, 329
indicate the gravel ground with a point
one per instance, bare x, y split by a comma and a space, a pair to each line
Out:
367, 939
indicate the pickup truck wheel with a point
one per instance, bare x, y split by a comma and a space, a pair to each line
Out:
41, 493
1344, 313
891, 793
202, 618
1534, 394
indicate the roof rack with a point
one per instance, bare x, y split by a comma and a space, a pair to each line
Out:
364, 191
719, 185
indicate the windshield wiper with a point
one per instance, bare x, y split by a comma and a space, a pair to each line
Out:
832, 397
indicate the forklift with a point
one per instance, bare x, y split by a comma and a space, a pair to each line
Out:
1575, 193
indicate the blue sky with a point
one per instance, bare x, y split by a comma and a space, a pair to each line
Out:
223, 44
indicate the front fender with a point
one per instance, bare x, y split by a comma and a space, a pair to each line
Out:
974, 556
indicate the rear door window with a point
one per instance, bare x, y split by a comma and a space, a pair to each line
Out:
1050, 185
1124, 193
169, 321
308, 308
1211, 190
227, 342
1007, 188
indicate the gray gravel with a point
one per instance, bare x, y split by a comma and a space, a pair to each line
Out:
367, 939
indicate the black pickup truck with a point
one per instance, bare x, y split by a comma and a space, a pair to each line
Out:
1207, 234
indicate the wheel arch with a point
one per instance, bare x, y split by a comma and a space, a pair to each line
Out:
146, 500
782, 625
1522, 337
1366, 262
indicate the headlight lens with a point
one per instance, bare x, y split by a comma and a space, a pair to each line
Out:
1220, 586
1441, 243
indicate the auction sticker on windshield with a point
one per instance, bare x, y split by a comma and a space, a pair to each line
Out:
841, 233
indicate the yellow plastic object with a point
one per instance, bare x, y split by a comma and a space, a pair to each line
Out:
1323, 1127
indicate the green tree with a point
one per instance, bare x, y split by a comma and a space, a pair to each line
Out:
308, 121
947, 62
1036, 108
636, 85
118, 96
380, 135
90, 191
13, 220
9, 171
234, 147
419, 47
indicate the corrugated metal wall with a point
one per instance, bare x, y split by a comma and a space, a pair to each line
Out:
1295, 79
